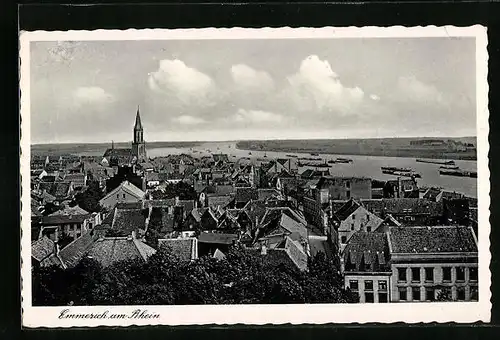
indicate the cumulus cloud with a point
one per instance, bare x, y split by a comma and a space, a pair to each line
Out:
410, 88
176, 79
90, 95
246, 76
374, 97
256, 116
188, 120
317, 87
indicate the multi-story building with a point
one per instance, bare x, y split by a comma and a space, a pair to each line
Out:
433, 263
343, 188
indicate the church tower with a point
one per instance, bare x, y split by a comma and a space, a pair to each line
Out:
138, 145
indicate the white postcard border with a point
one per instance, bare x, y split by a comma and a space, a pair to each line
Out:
262, 314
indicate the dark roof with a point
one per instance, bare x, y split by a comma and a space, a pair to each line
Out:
63, 219
73, 252
220, 157
57, 189
128, 205
219, 200
42, 248
367, 252
187, 205
263, 194
120, 153
129, 220
412, 206
436, 239
347, 209
217, 238
273, 258
245, 194
158, 203
181, 248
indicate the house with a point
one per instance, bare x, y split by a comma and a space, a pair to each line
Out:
125, 192
78, 180
366, 267
314, 174
413, 211
430, 263
244, 195
184, 249
125, 173
125, 220
61, 190
208, 243
109, 250
152, 179
342, 188
70, 221
288, 254
116, 157
401, 188
351, 218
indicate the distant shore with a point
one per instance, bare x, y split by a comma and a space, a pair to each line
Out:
393, 147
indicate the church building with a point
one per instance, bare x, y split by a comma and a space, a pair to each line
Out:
137, 154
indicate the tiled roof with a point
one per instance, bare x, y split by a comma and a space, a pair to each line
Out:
182, 248
187, 205
68, 211
367, 252
263, 194
152, 176
73, 252
110, 250
118, 153
129, 205
129, 220
412, 206
432, 193
217, 238
246, 194
63, 219
219, 200
42, 248
347, 209
436, 239
57, 189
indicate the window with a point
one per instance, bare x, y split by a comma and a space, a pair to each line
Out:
402, 294
460, 273
352, 226
402, 274
353, 284
368, 228
369, 298
461, 293
123, 196
474, 294
473, 274
382, 297
353, 217
415, 274
429, 274
368, 285
415, 291
382, 285
117, 196
343, 239
367, 217
347, 184
348, 195
430, 294
446, 274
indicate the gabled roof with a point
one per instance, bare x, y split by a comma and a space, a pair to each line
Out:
70, 211
112, 249
127, 187
73, 252
367, 252
184, 249
432, 193
119, 153
435, 239
245, 194
219, 200
347, 209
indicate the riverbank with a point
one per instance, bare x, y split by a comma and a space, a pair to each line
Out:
389, 147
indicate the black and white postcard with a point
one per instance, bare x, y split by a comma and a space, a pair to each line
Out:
254, 176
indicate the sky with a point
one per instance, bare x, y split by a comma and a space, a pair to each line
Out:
206, 90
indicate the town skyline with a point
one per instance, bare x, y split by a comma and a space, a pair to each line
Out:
253, 90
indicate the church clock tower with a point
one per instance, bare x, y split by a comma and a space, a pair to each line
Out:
138, 145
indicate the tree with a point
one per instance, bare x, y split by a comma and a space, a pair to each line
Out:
88, 200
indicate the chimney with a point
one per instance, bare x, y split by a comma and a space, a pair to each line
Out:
134, 236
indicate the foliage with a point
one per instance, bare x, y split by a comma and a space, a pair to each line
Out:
243, 277
88, 200
183, 190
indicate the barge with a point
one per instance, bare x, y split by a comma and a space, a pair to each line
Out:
435, 161
458, 173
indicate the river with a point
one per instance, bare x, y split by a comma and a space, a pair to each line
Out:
362, 166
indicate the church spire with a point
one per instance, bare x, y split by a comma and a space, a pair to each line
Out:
138, 124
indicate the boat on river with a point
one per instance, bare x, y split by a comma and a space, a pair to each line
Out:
449, 167
394, 168
431, 161
293, 156
343, 160
458, 173
314, 154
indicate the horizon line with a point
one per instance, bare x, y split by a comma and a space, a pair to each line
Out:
243, 140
